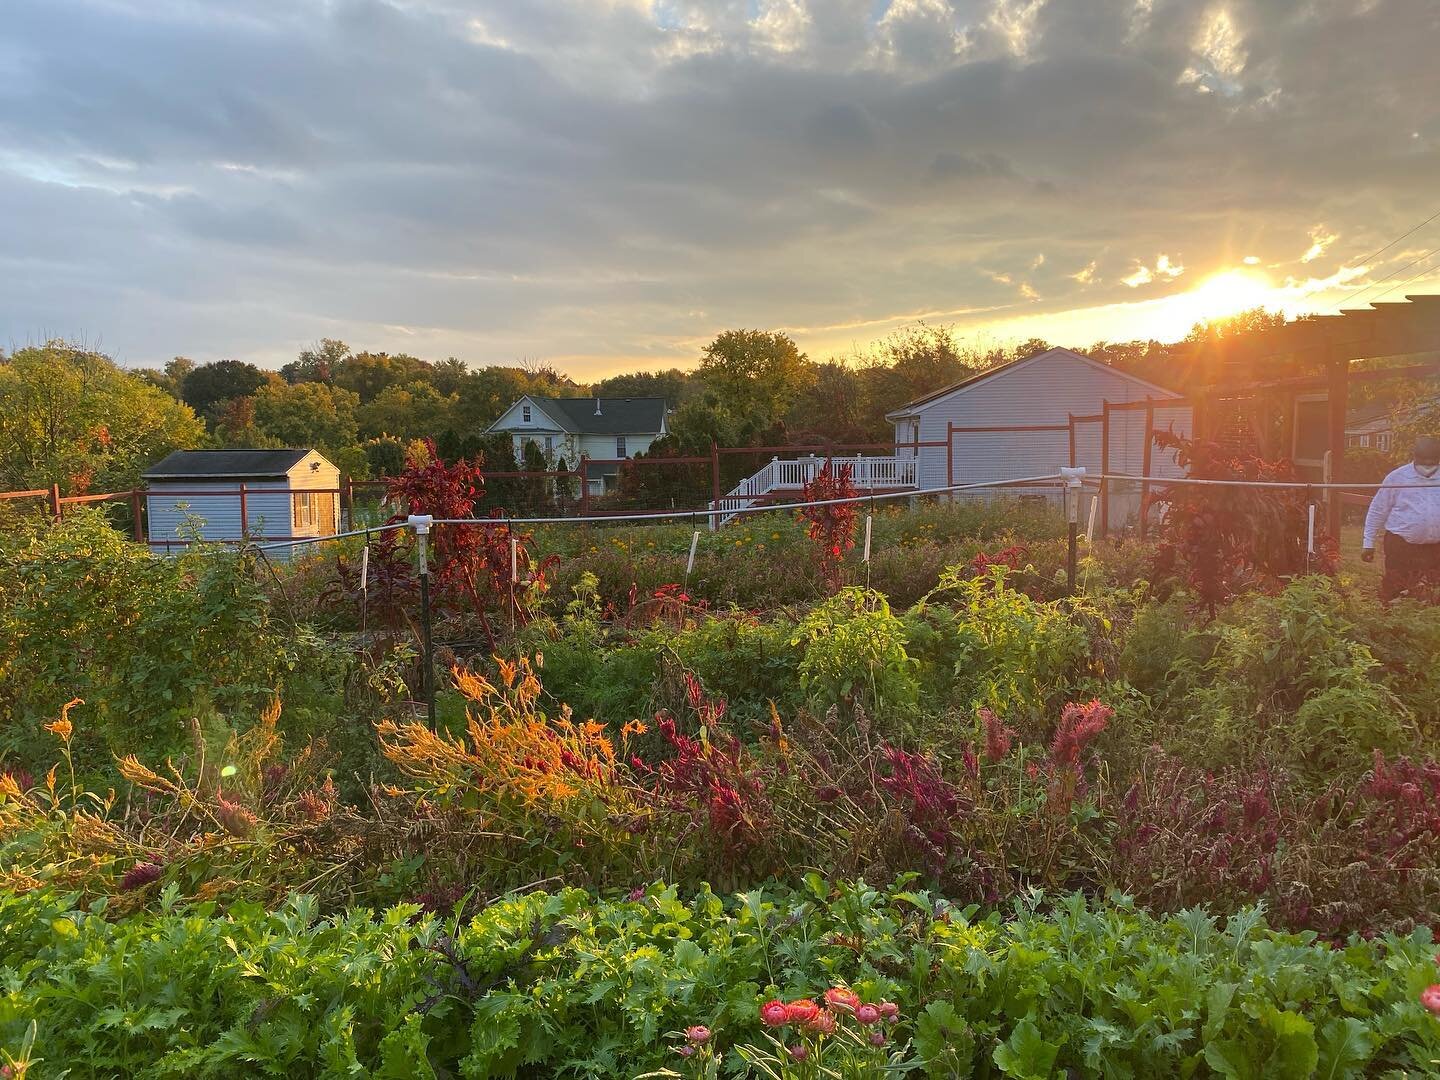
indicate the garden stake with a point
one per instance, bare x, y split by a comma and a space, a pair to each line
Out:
364, 582
1090, 528
690, 562
421, 524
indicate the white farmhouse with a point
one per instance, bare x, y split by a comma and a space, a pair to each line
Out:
229, 495
604, 430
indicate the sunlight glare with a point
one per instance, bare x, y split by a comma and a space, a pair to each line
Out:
1228, 292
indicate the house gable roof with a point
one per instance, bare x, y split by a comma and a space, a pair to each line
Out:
226, 465
925, 401
618, 416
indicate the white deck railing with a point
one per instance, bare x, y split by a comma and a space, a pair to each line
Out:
866, 474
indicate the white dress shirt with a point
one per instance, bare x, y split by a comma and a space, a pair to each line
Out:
1411, 513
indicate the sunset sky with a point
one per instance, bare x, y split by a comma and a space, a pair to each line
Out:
605, 184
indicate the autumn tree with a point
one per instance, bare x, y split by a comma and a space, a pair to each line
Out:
72, 417
308, 414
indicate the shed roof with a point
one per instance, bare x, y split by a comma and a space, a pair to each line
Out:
225, 464
617, 416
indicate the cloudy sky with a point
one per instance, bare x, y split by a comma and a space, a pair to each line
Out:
605, 184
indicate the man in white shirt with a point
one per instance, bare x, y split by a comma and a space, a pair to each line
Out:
1407, 510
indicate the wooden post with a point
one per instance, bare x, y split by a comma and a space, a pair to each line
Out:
582, 470
1145, 465
135, 515
714, 485
349, 502
950, 455
244, 513
57, 509
1104, 468
1070, 420
1339, 395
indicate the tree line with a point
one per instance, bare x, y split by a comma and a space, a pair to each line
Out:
72, 416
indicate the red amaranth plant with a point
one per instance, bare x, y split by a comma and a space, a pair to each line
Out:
470, 564
1358, 856
1225, 539
830, 527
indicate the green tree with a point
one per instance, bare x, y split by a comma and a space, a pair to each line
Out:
367, 373
756, 373
171, 378
674, 385
208, 386
316, 364
410, 411
449, 375
307, 414
73, 417
236, 426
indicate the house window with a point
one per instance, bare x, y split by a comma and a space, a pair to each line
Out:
1382, 442
313, 510
525, 413
549, 445
620, 446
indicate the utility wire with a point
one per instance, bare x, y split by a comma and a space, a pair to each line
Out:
1387, 277
1402, 236
1406, 283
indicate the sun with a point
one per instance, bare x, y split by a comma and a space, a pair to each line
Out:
1220, 295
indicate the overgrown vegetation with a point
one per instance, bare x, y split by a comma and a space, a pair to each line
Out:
654, 804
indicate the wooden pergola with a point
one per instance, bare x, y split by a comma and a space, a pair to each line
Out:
1331, 343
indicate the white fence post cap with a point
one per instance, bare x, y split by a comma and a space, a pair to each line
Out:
1073, 477
421, 523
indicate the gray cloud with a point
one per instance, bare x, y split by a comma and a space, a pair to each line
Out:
617, 180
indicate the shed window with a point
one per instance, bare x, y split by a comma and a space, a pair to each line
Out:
314, 510
620, 446
525, 413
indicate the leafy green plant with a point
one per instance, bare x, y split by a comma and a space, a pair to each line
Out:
573, 985
854, 649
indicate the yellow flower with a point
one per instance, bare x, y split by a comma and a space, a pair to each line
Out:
63, 727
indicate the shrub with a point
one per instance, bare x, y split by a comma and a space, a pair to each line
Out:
1227, 539
147, 644
1288, 682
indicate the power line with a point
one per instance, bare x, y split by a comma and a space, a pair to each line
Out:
1386, 278
1405, 283
1402, 236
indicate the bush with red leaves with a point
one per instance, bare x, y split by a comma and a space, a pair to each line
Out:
1226, 540
831, 527
469, 564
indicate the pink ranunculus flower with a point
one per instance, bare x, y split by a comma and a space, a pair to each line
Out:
867, 1014
837, 997
697, 1034
889, 1010
774, 1014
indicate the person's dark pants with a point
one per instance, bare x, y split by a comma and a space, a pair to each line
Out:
1408, 567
